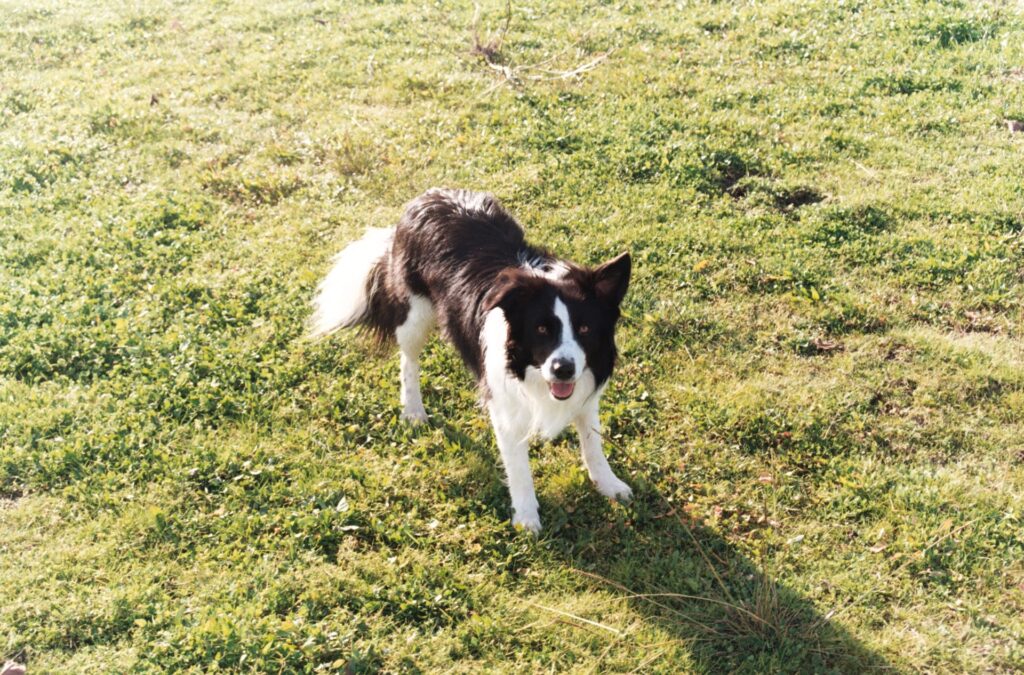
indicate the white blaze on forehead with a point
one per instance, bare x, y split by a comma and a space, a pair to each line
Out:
567, 348
562, 313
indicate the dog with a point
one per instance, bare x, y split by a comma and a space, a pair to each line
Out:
538, 332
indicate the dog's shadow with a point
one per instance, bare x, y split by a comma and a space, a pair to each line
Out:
691, 581
702, 589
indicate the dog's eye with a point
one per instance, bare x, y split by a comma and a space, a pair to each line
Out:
542, 329
583, 329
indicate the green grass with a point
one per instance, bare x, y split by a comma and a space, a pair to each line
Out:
820, 401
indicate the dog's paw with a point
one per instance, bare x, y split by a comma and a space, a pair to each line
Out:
613, 488
529, 521
415, 416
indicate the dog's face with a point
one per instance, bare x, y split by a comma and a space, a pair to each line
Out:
562, 325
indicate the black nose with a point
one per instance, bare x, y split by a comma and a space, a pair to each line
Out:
563, 369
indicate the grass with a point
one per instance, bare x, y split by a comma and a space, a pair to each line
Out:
820, 401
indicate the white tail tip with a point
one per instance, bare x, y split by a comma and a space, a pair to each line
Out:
342, 299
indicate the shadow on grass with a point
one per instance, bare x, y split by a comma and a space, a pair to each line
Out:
693, 583
701, 588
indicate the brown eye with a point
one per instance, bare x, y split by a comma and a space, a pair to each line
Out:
542, 329
583, 329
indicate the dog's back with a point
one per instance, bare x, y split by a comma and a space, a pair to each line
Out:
447, 249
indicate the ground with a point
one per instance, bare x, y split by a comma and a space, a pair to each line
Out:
820, 397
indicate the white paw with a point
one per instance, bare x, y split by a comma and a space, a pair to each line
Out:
529, 521
415, 415
613, 488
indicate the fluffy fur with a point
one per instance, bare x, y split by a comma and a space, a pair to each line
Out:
537, 332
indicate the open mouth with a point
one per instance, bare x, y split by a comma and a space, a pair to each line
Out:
562, 390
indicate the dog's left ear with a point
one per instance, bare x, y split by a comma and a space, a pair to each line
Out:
612, 279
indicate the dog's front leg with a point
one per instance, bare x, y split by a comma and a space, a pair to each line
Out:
588, 425
514, 445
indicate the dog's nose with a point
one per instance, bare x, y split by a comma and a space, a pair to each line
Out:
563, 369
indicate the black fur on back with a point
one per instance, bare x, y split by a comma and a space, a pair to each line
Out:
465, 253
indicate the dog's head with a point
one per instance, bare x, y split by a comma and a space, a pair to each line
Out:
562, 324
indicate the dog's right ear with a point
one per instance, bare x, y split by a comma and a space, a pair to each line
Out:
510, 286
612, 278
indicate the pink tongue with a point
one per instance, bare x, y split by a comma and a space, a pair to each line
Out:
562, 389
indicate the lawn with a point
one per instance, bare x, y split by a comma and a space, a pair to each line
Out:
820, 396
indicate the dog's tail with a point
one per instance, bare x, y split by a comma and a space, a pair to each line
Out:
343, 297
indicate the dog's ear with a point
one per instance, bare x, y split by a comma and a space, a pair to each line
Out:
510, 286
612, 279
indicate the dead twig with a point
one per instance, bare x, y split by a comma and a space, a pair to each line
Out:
489, 52
640, 668
516, 74
613, 631
646, 597
567, 74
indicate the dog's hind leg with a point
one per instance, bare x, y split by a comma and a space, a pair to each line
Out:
412, 335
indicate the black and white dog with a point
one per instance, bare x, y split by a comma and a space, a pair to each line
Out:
538, 332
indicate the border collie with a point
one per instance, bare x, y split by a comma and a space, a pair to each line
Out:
537, 332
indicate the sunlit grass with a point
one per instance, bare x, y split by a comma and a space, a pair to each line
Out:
819, 404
